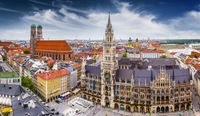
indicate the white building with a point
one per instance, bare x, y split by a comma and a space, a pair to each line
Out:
8, 75
194, 46
147, 53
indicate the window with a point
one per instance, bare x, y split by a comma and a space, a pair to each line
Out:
182, 89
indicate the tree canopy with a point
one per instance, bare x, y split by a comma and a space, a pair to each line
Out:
125, 55
163, 56
26, 52
27, 82
4, 57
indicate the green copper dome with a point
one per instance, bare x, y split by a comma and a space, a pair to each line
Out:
33, 26
39, 26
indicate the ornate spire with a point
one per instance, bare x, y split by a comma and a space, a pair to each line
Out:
109, 25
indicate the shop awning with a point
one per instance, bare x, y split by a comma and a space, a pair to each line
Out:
9, 109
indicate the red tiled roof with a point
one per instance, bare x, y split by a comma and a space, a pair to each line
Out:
53, 74
82, 54
75, 65
188, 60
195, 54
50, 62
20, 48
152, 51
197, 66
57, 46
119, 50
5, 44
14, 52
172, 53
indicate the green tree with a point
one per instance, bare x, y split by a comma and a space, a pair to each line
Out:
4, 57
6, 113
125, 55
163, 56
26, 52
27, 82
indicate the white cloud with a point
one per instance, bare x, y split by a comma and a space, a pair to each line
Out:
10, 10
126, 23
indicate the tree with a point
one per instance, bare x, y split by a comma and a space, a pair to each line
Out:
27, 82
26, 52
4, 57
163, 56
125, 55
6, 113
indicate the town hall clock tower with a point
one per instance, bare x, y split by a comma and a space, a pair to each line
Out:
109, 66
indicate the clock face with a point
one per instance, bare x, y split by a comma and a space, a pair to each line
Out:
107, 75
107, 51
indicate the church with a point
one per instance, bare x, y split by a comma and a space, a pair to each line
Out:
136, 84
56, 49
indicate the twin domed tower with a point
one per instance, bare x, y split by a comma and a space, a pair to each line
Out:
36, 34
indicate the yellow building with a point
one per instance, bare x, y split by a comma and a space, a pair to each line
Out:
130, 43
50, 85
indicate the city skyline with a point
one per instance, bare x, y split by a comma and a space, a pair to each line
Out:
87, 19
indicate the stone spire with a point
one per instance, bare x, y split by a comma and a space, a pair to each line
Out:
109, 25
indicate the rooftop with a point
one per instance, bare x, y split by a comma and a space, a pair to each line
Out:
53, 74
53, 45
9, 75
10, 89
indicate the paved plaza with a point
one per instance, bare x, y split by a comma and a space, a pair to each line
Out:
98, 110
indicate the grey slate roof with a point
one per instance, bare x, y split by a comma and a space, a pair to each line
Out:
141, 76
124, 74
18, 110
93, 69
14, 91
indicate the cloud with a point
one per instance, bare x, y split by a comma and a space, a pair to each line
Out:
38, 2
126, 23
10, 10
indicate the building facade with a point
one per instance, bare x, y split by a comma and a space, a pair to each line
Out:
136, 85
50, 85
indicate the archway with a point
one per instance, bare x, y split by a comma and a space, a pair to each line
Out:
135, 109
116, 106
176, 108
158, 109
182, 107
107, 102
158, 98
162, 109
188, 107
167, 109
128, 108
142, 109
99, 101
162, 98
84, 96
148, 109
93, 99
167, 98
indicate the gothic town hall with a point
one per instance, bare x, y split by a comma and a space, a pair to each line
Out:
136, 84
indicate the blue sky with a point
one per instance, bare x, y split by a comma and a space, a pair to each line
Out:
84, 19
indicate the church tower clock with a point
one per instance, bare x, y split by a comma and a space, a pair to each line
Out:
109, 66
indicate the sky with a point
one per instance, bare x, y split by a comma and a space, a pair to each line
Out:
87, 19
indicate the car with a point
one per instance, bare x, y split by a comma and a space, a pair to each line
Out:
58, 101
